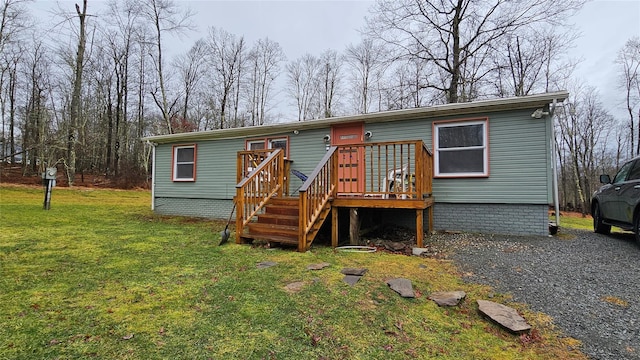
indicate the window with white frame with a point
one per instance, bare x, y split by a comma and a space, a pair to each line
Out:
280, 143
255, 145
184, 163
269, 143
461, 149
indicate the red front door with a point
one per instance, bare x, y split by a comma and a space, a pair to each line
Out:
350, 159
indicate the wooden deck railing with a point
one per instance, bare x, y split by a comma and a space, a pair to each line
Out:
387, 170
250, 159
257, 187
315, 194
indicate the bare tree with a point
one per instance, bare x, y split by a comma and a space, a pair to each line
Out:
455, 36
584, 130
74, 120
302, 81
226, 53
628, 61
191, 68
13, 23
166, 17
330, 75
13, 19
531, 61
366, 62
403, 87
264, 61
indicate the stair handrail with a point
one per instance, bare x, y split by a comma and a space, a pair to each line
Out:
315, 193
255, 189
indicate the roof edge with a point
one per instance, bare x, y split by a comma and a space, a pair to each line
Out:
492, 105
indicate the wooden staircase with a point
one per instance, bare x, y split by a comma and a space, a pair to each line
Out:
278, 224
398, 177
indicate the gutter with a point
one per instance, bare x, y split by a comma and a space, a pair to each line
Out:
556, 197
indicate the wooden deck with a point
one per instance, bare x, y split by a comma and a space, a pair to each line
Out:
383, 175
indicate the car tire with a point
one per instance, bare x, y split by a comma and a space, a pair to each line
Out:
599, 226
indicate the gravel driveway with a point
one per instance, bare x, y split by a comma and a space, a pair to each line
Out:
588, 283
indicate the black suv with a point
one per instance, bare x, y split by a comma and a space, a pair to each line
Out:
617, 202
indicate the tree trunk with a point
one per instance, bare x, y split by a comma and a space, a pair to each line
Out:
75, 99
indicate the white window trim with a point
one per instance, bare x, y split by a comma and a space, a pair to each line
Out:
248, 147
174, 173
485, 147
269, 143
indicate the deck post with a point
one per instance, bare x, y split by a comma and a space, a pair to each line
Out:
419, 227
302, 221
239, 203
334, 227
354, 226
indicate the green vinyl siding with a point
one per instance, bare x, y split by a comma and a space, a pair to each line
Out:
518, 165
216, 165
519, 170
215, 171
519, 160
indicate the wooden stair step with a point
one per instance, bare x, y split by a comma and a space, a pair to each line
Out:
279, 219
281, 209
288, 201
272, 238
273, 229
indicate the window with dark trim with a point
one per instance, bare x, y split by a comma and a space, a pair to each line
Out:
184, 163
269, 143
461, 148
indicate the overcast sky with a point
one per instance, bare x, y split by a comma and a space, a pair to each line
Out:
303, 26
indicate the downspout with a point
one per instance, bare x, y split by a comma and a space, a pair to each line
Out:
554, 161
153, 175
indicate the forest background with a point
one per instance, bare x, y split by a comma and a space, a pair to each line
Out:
82, 82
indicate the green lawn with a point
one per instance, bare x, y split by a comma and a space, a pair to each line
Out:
576, 222
99, 276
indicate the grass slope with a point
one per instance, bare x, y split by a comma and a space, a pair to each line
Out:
99, 276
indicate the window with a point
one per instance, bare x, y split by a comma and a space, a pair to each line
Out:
255, 145
269, 143
635, 172
621, 176
461, 149
278, 144
184, 163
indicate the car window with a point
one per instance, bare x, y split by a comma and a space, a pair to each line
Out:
635, 172
624, 171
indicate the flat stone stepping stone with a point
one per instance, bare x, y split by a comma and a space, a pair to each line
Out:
402, 287
395, 246
351, 279
353, 271
318, 266
266, 264
447, 298
419, 251
503, 315
294, 287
